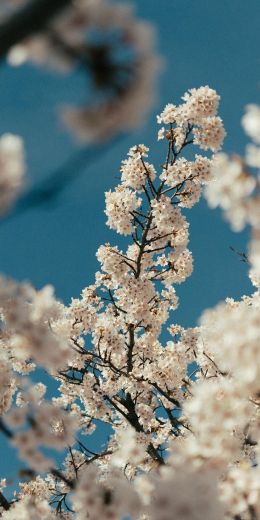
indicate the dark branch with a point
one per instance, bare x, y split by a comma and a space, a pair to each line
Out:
56, 473
4, 502
5, 430
47, 191
26, 22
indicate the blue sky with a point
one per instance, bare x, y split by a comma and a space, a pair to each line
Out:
202, 42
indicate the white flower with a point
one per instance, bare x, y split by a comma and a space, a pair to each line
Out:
12, 170
251, 122
229, 189
120, 205
210, 134
233, 335
253, 155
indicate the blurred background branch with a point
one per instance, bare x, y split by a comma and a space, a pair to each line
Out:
46, 192
106, 43
27, 21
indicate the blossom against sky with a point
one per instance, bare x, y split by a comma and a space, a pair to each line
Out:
202, 43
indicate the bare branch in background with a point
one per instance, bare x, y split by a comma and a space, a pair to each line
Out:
48, 190
105, 41
27, 21
108, 44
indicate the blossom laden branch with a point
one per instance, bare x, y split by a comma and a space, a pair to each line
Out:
182, 414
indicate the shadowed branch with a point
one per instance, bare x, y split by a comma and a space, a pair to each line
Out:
49, 189
27, 21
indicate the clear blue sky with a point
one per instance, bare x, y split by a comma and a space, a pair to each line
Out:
202, 42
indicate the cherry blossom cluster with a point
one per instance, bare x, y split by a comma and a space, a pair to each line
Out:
223, 410
27, 332
235, 186
181, 413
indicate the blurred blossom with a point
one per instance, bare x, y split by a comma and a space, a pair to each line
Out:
251, 122
12, 170
116, 49
182, 445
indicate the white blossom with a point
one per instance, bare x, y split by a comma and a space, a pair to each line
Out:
251, 122
12, 170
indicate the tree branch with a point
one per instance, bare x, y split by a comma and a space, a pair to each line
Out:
33, 18
4, 502
46, 192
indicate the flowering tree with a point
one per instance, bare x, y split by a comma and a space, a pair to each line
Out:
182, 416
